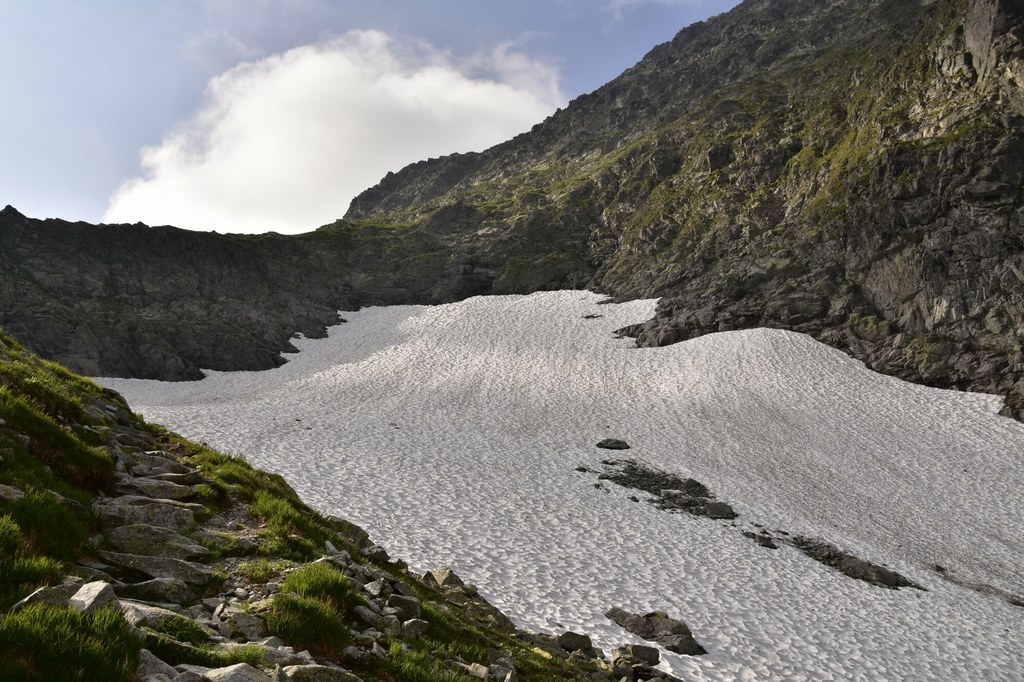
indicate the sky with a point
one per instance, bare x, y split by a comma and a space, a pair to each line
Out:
271, 115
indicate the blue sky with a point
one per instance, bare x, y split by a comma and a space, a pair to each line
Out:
256, 115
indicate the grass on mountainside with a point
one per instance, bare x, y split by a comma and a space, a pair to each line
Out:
291, 529
51, 424
42, 643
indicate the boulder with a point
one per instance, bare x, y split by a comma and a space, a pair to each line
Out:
58, 595
151, 487
718, 510
414, 627
643, 654
93, 596
613, 444
154, 541
163, 590
133, 509
405, 608
659, 628
138, 615
150, 667
446, 577
161, 567
253, 627
573, 641
240, 672
10, 493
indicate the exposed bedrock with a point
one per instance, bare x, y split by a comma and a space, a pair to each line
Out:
852, 169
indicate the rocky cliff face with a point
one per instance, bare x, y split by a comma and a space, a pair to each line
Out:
851, 169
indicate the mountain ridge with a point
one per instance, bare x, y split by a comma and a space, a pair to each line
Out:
849, 169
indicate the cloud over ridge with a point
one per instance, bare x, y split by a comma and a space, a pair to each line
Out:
284, 143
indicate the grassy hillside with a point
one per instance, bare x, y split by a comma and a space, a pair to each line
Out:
73, 459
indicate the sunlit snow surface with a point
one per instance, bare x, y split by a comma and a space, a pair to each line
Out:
453, 434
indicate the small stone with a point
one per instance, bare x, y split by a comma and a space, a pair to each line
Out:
613, 444
415, 627
253, 627
407, 607
378, 589
404, 589
369, 617
445, 577
353, 654
377, 553
501, 672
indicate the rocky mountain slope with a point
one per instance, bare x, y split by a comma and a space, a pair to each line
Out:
851, 169
129, 553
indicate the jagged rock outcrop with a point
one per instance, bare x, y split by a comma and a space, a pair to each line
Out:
852, 169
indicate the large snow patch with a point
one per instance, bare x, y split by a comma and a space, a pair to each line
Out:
453, 434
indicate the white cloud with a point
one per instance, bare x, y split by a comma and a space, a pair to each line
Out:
284, 143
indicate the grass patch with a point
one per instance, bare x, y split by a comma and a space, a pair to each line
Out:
173, 652
47, 643
307, 623
182, 629
321, 581
48, 526
414, 666
54, 446
261, 570
21, 571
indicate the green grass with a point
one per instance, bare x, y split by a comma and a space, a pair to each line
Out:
261, 570
173, 652
415, 666
22, 571
51, 644
182, 629
307, 623
53, 445
48, 526
321, 581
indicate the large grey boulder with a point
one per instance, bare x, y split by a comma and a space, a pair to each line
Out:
155, 541
151, 487
240, 672
133, 509
163, 590
161, 567
93, 596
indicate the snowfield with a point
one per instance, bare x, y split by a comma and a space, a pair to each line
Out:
452, 434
